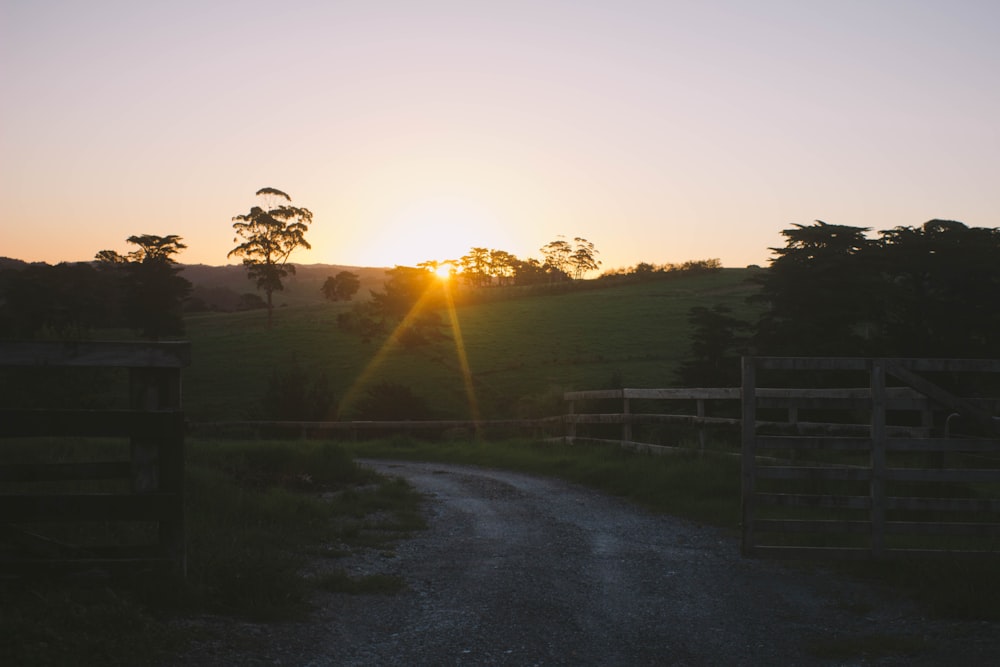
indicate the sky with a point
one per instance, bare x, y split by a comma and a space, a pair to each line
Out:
661, 131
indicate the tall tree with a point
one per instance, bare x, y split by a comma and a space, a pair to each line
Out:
583, 258
269, 234
153, 293
942, 287
821, 293
556, 256
717, 341
476, 266
502, 265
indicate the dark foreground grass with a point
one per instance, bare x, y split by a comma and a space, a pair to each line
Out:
257, 514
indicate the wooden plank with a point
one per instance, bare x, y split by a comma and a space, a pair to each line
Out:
595, 394
90, 507
646, 418
860, 364
943, 396
965, 445
110, 354
968, 475
938, 528
381, 425
812, 363
813, 500
949, 365
731, 393
813, 473
972, 505
811, 526
39, 472
812, 553
98, 423
827, 443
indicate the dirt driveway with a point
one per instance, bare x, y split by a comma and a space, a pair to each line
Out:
521, 570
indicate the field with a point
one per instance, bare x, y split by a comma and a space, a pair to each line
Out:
254, 514
523, 350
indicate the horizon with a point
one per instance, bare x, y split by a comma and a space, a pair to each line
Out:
660, 131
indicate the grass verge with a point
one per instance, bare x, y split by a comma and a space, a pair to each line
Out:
256, 514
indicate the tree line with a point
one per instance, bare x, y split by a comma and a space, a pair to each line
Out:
142, 289
832, 290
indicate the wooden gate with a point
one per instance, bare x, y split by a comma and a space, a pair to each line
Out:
134, 504
920, 479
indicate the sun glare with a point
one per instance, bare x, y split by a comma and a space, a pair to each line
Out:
445, 270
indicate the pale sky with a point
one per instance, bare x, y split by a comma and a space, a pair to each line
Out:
660, 131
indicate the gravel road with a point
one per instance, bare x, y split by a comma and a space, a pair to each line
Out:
523, 570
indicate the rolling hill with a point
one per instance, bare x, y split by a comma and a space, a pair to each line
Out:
522, 349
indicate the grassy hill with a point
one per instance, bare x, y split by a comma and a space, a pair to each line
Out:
222, 285
523, 349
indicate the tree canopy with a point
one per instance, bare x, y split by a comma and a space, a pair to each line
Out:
266, 237
152, 291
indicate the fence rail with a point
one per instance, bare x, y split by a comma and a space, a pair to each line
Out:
790, 401
36, 493
884, 494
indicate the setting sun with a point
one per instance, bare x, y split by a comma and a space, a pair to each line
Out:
445, 270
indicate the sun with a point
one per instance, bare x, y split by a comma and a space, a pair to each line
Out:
444, 270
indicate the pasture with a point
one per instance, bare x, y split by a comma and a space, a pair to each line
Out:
523, 348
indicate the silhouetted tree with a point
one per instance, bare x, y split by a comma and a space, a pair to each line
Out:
570, 259
341, 287
717, 342
408, 305
583, 258
269, 236
152, 291
62, 301
820, 293
529, 272
941, 293
927, 291
476, 266
556, 256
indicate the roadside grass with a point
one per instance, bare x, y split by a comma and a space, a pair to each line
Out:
699, 488
257, 514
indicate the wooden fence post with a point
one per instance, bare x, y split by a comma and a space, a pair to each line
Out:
748, 457
700, 411
878, 462
626, 419
158, 462
570, 425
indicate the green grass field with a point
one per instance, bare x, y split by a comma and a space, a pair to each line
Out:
523, 351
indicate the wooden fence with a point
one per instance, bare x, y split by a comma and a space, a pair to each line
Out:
628, 419
123, 511
923, 480
354, 430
